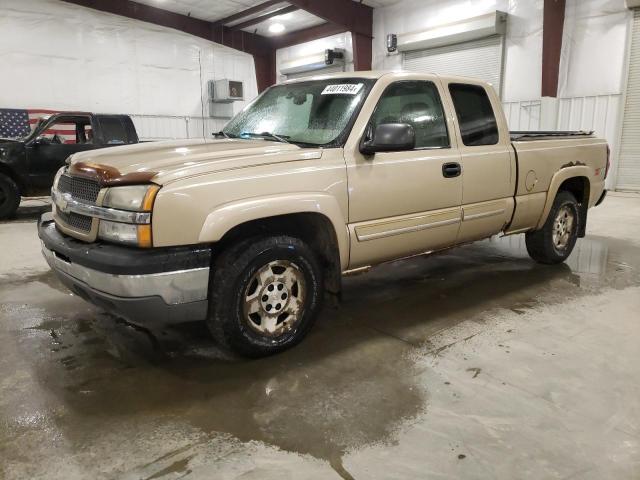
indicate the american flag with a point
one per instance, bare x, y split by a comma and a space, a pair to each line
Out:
16, 123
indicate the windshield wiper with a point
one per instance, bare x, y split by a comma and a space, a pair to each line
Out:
272, 136
224, 134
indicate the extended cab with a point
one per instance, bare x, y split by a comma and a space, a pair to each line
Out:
313, 179
28, 165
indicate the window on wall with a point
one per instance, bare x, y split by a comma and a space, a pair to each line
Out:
477, 121
418, 104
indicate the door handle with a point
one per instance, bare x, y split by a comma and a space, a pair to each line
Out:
451, 170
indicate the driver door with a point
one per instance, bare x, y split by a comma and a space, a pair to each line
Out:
406, 202
57, 138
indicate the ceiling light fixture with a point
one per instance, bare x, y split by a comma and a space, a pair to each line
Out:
276, 28
286, 16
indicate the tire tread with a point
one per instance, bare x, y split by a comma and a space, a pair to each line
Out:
539, 243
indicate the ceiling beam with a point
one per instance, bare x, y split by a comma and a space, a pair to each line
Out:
147, 13
355, 17
266, 16
245, 13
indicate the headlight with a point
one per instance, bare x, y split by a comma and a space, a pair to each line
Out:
137, 198
127, 233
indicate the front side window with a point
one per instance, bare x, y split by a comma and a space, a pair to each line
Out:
477, 121
67, 131
313, 113
418, 104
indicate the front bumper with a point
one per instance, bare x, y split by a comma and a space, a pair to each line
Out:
148, 287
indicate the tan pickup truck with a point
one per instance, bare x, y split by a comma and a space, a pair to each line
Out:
316, 177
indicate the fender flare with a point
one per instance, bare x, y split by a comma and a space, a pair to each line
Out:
227, 216
557, 179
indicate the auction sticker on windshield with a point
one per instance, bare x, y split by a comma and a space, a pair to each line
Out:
342, 89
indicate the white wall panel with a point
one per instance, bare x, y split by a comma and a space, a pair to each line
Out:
158, 127
600, 113
61, 56
593, 47
597, 112
524, 115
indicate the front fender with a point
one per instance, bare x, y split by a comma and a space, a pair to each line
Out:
557, 179
230, 215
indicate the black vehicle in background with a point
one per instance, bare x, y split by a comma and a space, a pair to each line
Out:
28, 165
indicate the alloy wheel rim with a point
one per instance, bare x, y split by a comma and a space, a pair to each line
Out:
563, 226
274, 297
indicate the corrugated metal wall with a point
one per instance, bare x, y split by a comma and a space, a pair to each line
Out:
524, 115
629, 166
158, 127
599, 113
478, 58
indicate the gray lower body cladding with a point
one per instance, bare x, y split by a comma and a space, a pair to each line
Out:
148, 287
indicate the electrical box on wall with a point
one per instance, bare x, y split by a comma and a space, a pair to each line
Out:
222, 94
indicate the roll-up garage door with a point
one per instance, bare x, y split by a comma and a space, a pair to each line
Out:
480, 58
629, 157
313, 73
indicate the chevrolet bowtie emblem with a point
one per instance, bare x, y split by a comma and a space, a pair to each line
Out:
62, 202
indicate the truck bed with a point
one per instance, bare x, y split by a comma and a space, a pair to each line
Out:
531, 135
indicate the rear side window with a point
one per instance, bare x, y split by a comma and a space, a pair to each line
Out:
113, 131
477, 121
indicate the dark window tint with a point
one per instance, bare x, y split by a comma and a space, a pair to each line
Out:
418, 104
477, 122
113, 131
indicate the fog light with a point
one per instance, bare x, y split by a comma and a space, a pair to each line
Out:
127, 233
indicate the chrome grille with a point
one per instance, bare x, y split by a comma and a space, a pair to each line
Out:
75, 220
79, 188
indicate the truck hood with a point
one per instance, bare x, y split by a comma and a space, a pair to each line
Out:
164, 162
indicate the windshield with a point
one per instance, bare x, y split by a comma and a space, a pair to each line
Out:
314, 113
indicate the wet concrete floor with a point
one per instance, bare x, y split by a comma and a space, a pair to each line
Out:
474, 363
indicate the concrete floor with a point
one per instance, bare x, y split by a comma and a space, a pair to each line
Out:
477, 363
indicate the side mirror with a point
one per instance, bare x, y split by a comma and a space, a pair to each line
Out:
388, 137
41, 140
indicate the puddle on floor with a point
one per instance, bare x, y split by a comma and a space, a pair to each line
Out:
349, 384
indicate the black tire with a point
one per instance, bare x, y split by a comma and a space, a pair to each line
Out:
235, 278
540, 243
9, 197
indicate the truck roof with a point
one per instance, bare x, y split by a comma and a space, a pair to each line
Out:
375, 74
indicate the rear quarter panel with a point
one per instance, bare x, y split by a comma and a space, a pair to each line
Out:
542, 167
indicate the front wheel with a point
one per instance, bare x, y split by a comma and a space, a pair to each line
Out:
554, 242
9, 197
264, 296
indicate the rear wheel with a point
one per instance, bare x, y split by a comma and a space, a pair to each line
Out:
554, 242
9, 197
264, 295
